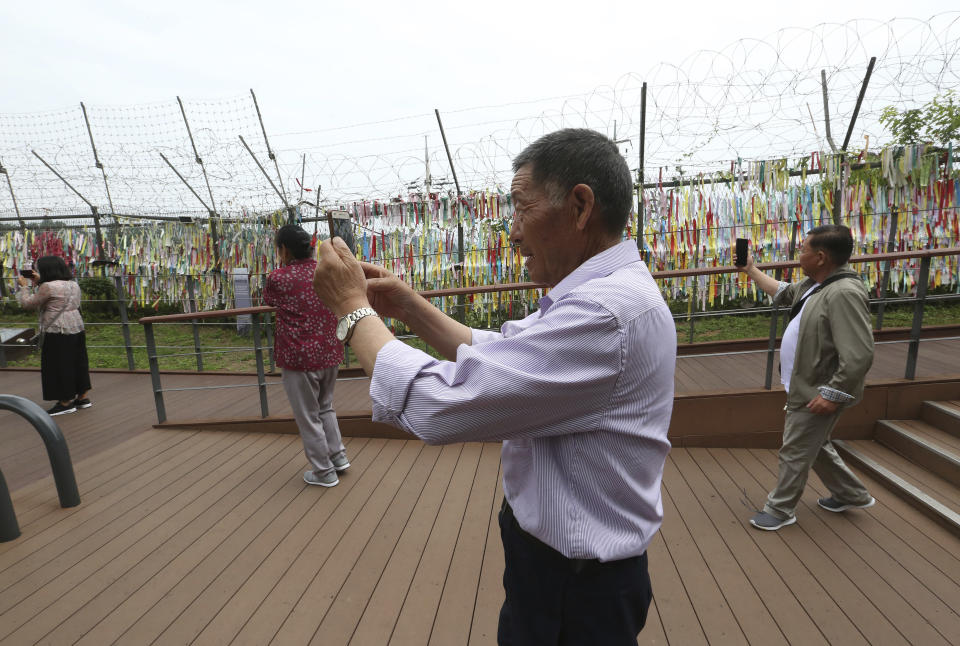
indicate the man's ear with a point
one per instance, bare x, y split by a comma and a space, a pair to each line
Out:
583, 204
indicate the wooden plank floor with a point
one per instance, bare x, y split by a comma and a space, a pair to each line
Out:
123, 403
212, 538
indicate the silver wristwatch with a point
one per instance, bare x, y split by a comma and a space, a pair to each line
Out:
346, 323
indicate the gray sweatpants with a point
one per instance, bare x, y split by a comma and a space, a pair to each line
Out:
806, 445
311, 397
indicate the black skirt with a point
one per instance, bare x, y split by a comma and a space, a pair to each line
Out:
64, 368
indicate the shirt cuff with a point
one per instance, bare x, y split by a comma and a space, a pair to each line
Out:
484, 336
780, 287
834, 395
393, 373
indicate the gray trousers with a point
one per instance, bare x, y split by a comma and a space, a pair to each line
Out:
806, 445
311, 397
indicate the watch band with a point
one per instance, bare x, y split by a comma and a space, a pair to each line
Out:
354, 317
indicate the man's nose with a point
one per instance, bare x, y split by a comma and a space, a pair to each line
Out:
514, 236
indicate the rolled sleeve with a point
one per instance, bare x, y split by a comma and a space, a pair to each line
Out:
484, 336
784, 293
393, 374
834, 395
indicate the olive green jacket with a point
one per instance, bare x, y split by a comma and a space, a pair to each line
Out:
835, 340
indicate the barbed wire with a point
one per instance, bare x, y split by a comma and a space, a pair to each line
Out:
757, 98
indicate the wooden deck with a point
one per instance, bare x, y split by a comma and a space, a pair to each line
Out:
213, 538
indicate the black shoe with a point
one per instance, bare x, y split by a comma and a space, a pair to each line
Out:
60, 409
82, 403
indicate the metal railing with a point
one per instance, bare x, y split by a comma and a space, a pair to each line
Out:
60, 463
255, 332
919, 302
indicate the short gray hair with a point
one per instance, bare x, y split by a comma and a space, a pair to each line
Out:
562, 159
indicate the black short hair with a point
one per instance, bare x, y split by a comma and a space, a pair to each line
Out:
562, 159
834, 239
297, 241
52, 268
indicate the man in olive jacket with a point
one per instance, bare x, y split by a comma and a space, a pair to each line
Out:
826, 351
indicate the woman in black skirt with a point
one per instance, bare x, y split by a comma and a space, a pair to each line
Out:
64, 369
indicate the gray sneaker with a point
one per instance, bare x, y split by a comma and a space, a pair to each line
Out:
340, 461
327, 480
832, 504
769, 522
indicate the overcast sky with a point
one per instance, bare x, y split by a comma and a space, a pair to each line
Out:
321, 64
317, 66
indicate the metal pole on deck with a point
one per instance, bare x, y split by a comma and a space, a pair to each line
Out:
124, 321
258, 353
885, 281
191, 293
155, 372
914, 349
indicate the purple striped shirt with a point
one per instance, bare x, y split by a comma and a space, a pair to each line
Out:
580, 392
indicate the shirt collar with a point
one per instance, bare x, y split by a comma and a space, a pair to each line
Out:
299, 261
603, 264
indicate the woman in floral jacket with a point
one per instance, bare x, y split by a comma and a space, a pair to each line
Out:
306, 348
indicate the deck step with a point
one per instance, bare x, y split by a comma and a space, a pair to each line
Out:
927, 492
924, 444
944, 415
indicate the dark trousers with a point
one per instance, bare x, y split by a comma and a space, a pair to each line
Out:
64, 368
551, 599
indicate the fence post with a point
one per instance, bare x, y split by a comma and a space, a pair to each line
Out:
914, 349
193, 323
155, 372
258, 353
772, 343
268, 325
885, 281
124, 321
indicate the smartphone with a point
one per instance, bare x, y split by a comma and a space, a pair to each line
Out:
26, 273
743, 246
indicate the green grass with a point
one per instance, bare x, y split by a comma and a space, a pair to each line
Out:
751, 326
105, 342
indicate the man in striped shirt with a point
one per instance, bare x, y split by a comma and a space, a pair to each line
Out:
580, 392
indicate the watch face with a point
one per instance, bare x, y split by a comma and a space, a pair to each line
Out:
343, 326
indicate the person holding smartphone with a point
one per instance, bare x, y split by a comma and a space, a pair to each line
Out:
307, 349
64, 367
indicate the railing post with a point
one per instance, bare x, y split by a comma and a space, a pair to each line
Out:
914, 349
885, 281
55, 443
193, 324
124, 321
772, 343
258, 353
9, 527
155, 372
268, 325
